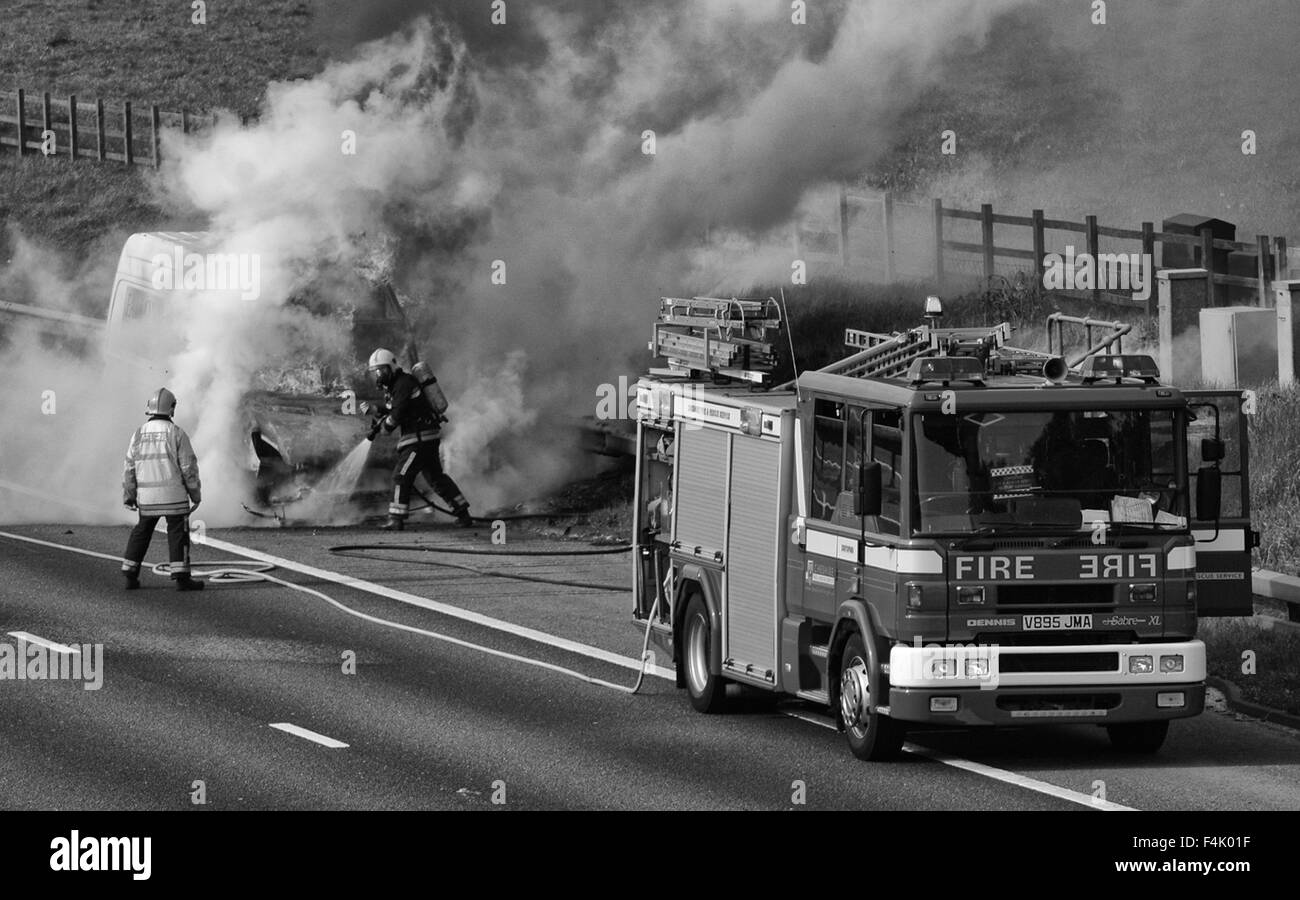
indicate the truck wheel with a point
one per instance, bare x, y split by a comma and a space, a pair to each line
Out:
1138, 737
871, 735
708, 692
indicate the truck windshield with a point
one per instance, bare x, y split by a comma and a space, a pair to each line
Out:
985, 472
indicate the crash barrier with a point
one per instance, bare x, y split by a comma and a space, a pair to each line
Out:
89, 129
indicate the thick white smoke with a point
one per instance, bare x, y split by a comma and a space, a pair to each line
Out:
525, 217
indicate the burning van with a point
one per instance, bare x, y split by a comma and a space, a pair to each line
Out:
298, 399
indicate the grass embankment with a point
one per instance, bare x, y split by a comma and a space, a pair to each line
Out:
146, 51
1275, 679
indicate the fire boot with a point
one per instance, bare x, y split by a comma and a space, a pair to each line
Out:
394, 523
186, 583
463, 518
132, 580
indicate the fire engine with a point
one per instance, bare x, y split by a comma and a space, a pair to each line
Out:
937, 529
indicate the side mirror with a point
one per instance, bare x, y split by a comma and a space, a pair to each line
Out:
1211, 449
866, 501
1209, 492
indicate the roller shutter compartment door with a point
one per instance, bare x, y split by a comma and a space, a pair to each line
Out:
701, 497
751, 556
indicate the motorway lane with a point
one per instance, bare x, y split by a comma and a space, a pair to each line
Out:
193, 682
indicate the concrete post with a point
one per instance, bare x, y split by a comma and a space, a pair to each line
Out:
1180, 295
1286, 296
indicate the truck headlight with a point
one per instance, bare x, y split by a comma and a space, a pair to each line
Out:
1140, 665
943, 668
1171, 663
1141, 593
970, 596
977, 668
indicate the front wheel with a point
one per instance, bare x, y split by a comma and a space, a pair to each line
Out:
708, 692
1138, 737
871, 735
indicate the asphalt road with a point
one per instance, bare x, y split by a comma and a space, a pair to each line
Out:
194, 683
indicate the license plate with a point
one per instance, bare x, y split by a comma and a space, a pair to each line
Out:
1070, 622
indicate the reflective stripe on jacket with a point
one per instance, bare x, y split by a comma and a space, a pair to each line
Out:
161, 474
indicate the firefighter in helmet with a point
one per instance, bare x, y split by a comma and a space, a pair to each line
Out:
406, 407
160, 480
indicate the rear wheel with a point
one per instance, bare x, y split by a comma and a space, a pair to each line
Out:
708, 692
1138, 737
871, 735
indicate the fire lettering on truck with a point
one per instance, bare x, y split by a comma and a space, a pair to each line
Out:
994, 568
1118, 565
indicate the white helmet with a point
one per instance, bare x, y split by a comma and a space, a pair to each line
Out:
161, 403
382, 357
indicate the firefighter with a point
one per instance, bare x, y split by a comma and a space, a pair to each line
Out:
161, 479
406, 407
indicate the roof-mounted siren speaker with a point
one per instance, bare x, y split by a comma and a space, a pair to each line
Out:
1055, 370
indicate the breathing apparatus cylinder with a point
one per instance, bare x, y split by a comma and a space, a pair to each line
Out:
429, 385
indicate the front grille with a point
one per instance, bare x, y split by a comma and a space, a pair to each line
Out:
1072, 596
1056, 702
1057, 662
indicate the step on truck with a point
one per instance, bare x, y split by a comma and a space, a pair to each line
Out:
937, 529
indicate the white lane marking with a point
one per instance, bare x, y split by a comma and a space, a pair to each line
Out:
309, 735
996, 774
1023, 781
42, 642
456, 612
31, 540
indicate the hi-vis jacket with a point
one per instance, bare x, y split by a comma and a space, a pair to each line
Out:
407, 408
161, 474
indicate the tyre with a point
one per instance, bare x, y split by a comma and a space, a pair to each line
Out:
708, 692
1138, 737
871, 736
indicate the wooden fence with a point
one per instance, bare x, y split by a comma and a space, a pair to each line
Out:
950, 258
89, 129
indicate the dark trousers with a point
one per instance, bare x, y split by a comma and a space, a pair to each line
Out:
178, 543
412, 460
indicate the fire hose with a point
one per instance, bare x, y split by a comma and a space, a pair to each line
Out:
239, 571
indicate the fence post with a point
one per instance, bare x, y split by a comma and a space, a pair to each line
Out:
22, 121
937, 214
72, 127
153, 124
126, 132
1261, 270
887, 209
185, 121
47, 122
1094, 250
844, 226
1207, 262
1281, 270
101, 137
1149, 254
1040, 248
986, 236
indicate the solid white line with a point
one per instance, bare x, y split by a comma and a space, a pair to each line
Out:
309, 735
1002, 775
32, 540
1023, 781
456, 612
42, 642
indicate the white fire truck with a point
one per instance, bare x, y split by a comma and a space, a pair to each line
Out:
939, 528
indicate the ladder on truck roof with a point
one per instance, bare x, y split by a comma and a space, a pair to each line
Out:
717, 336
890, 355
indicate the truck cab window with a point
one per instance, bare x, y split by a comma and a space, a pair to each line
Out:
828, 458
